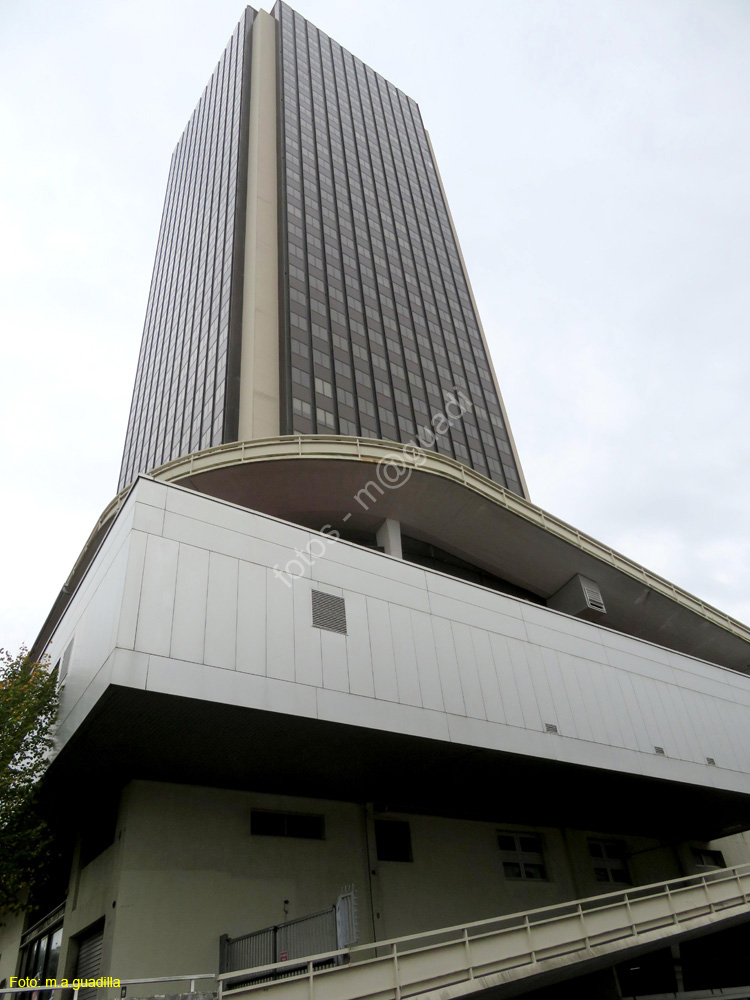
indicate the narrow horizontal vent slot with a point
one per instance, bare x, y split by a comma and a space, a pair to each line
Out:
550, 727
660, 751
328, 612
710, 761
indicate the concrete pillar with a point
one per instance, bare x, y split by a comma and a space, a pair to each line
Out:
677, 959
388, 537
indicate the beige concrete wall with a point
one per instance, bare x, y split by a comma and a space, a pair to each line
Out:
456, 876
191, 871
647, 861
259, 380
185, 869
11, 929
91, 891
736, 849
92, 897
653, 862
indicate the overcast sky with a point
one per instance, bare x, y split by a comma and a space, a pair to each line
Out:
596, 157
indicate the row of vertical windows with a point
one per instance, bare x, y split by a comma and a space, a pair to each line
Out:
371, 255
179, 398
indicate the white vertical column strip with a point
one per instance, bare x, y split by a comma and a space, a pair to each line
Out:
259, 375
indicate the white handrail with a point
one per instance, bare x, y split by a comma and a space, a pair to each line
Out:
486, 946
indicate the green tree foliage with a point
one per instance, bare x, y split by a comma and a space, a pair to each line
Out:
28, 708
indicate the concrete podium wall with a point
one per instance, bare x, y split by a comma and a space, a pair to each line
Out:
184, 868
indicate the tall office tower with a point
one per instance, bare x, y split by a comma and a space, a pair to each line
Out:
343, 714
308, 278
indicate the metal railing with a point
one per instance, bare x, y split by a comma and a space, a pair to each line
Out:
45, 923
509, 947
497, 950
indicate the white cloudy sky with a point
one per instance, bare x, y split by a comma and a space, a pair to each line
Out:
596, 156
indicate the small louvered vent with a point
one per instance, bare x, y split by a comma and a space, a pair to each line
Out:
550, 727
580, 597
328, 612
660, 751
711, 762
593, 596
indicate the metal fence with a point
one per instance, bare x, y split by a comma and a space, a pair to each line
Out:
327, 930
309, 935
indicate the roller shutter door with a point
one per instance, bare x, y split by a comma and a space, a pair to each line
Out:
89, 961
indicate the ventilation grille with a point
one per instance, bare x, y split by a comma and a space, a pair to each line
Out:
347, 918
710, 761
328, 612
63, 665
580, 596
593, 596
550, 727
660, 751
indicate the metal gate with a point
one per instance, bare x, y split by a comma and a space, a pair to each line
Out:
314, 934
308, 935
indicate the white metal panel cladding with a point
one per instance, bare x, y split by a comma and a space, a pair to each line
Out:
64, 664
424, 654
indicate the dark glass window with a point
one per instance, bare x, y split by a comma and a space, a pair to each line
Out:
286, 824
522, 856
393, 840
368, 249
40, 950
609, 861
179, 396
704, 858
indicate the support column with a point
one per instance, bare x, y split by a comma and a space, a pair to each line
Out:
677, 959
388, 537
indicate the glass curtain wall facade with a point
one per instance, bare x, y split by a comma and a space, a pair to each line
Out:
186, 382
380, 328
378, 332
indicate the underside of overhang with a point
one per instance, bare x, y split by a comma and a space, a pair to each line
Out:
139, 734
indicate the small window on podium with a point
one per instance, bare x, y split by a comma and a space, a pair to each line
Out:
522, 856
393, 840
706, 860
608, 857
307, 826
